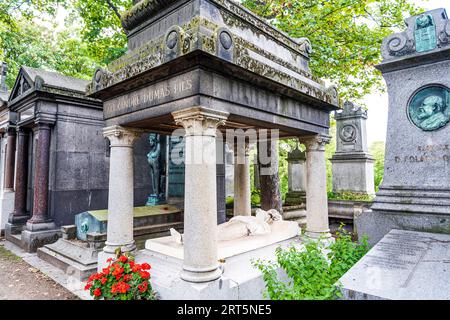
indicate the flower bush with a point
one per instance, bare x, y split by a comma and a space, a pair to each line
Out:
122, 279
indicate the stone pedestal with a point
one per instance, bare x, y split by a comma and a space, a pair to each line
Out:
120, 197
415, 192
200, 205
242, 192
352, 165
317, 225
296, 178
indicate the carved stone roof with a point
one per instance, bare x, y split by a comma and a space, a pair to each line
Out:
30, 79
351, 110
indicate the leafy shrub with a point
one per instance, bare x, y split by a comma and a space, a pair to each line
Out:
313, 272
354, 196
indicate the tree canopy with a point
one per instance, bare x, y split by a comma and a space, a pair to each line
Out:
346, 35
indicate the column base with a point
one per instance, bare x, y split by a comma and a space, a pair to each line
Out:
318, 234
200, 275
32, 240
109, 251
40, 226
18, 219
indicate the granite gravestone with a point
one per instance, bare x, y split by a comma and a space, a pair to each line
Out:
415, 192
352, 165
296, 194
404, 265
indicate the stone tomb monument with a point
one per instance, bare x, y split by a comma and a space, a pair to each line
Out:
404, 265
415, 192
199, 66
352, 165
76, 253
296, 178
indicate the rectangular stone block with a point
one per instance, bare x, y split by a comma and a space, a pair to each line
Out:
404, 265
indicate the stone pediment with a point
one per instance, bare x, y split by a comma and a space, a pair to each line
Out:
32, 79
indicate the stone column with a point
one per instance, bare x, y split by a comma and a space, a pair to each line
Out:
40, 219
242, 191
10, 160
200, 204
19, 215
316, 196
121, 191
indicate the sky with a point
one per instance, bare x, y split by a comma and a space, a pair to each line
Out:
378, 103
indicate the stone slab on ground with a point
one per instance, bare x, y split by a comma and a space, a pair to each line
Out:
404, 265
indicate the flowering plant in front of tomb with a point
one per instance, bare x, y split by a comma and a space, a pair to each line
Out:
122, 279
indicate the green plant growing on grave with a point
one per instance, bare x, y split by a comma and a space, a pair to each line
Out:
313, 271
353, 196
122, 279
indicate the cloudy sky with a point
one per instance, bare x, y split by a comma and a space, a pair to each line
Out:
378, 103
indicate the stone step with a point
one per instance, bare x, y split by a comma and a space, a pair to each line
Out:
15, 238
69, 266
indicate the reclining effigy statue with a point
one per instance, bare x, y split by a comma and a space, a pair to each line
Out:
241, 226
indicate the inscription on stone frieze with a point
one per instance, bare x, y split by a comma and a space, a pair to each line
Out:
428, 153
149, 96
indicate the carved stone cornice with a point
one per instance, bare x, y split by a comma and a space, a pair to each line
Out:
121, 136
316, 142
200, 121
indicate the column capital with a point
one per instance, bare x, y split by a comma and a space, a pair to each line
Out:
315, 142
22, 130
11, 130
121, 136
199, 121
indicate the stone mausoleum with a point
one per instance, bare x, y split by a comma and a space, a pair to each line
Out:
204, 66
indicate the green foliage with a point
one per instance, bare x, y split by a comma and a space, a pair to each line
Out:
377, 150
346, 35
349, 196
101, 28
40, 46
313, 271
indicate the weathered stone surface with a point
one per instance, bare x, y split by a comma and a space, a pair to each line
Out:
352, 165
415, 192
404, 265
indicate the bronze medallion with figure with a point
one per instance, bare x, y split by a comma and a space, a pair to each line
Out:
429, 108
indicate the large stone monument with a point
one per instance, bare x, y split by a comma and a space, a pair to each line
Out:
415, 192
200, 67
352, 165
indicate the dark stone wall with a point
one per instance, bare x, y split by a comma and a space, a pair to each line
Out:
79, 165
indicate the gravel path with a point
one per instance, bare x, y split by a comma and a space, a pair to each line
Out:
20, 281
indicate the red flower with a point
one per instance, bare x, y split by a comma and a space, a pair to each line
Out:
123, 259
109, 260
103, 280
105, 271
146, 266
136, 267
144, 274
88, 286
127, 277
97, 292
143, 287
117, 271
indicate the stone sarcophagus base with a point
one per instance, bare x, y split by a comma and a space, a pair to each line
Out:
77, 252
240, 279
